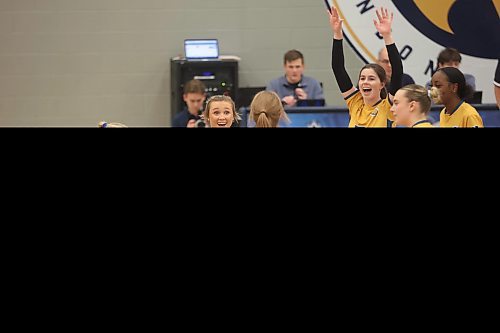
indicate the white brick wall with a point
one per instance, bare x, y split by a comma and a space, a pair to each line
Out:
74, 62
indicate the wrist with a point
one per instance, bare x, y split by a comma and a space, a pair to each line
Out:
386, 37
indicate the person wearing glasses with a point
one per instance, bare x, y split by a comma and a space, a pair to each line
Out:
383, 60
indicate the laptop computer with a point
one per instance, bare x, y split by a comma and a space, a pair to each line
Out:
246, 95
201, 49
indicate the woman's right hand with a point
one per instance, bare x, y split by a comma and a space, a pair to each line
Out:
384, 23
336, 23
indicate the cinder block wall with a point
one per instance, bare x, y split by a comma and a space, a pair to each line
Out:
74, 62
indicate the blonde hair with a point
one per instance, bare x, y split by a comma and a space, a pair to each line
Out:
103, 124
419, 94
435, 95
220, 98
267, 110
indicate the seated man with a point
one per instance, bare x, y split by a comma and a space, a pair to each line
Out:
294, 85
194, 96
383, 60
450, 57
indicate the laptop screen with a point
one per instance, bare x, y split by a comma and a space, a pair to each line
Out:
201, 48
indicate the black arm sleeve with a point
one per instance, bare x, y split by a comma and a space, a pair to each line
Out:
338, 66
497, 73
397, 69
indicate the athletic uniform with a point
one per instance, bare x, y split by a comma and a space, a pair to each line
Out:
362, 115
378, 115
464, 115
423, 124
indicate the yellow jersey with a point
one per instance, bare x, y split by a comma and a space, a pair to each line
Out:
423, 124
465, 115
378, 115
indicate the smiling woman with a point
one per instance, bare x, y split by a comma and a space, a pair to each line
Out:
452, 91
369, 105
425, 28
220, 112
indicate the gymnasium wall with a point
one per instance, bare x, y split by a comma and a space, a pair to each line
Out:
74, 62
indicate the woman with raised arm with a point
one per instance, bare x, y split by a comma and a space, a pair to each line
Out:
370, 103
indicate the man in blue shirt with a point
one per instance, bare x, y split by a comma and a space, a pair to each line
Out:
294, 85
450, 57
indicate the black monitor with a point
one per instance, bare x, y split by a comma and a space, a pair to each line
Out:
246, 95
310, 102
477, 98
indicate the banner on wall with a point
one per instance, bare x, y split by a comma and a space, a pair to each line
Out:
423, 28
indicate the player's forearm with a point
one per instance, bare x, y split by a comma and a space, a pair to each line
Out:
338, 66
397, 68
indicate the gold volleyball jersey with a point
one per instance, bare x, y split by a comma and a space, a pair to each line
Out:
423, 124
362, 115
465, 115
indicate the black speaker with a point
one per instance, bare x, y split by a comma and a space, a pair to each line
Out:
219, 76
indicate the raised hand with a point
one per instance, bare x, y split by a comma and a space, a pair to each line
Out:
336, 23
384, 23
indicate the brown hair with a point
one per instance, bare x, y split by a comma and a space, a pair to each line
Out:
220, 98
266, 109
293, 55
419, 94
380, 71
449, 54
194, 87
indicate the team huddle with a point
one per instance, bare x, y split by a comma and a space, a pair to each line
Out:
378, 100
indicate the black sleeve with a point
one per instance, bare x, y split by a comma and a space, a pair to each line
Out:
497, 73
338, 66
397, 69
